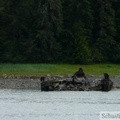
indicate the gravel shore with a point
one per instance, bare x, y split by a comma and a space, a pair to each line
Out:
33, 82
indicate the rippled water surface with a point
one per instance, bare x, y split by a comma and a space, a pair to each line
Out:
37, 105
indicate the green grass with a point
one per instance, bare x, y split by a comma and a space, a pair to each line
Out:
54, 69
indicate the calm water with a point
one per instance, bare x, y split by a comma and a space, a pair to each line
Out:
36, 105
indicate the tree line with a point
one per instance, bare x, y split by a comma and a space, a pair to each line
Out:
60, 31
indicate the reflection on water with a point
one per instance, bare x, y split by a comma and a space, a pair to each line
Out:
37, 105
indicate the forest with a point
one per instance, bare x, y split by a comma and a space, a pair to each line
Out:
60, 31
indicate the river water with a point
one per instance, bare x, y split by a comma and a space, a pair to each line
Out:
37, 105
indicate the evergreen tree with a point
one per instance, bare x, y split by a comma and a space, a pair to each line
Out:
66, 36
79, 23
18, 21
106, 29
14, 31
2, 31
49, 25
116, 53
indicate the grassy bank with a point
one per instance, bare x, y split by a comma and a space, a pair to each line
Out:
42, 69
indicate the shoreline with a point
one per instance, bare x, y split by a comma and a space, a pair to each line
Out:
33, 82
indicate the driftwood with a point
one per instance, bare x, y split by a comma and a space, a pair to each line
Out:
69, 84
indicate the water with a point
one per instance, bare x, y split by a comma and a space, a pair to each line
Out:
37, 105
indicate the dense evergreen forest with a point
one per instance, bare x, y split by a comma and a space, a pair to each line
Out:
60, 31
